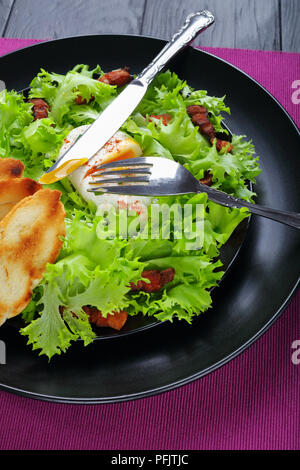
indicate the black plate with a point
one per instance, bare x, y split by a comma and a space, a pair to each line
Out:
138, 323
261, 281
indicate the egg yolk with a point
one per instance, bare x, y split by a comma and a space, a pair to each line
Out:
61, 172
115, 149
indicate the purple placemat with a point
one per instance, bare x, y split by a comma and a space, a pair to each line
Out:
251, 403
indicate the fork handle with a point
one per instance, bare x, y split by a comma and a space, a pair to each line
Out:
284, 217
194, 24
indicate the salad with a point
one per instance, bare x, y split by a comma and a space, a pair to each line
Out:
100, 279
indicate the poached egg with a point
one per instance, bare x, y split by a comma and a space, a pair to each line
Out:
119, 147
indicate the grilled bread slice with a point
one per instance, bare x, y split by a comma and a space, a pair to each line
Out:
11, 168
14, 190
13, 187
30, 237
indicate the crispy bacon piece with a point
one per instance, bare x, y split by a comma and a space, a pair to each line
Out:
157, 280
207, 180
166, 118
167, 275
40, 108
196, 109
220, 144
200, 118
116, 320
79, 100
118, 77
205, 126
155, 284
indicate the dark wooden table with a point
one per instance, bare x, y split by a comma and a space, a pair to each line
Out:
248, 24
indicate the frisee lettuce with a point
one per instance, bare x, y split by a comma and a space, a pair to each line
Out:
97, 271
61, 91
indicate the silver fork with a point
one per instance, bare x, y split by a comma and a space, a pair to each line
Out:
156, 176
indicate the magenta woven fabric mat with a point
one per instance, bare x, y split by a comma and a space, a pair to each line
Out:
251, 403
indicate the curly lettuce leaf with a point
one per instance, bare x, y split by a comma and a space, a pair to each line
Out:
97, 271
187, 295
41, 142
61, 91
35, 143
49, 332
231, 171
97, 274
15, 114
183, 142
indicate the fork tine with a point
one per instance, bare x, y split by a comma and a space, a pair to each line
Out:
128, 162
130, 179
136, 190
131, 171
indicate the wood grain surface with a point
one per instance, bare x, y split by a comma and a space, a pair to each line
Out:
5, 8
239, 23
290, 25
58, 18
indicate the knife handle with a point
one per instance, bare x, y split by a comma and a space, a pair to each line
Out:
194, 24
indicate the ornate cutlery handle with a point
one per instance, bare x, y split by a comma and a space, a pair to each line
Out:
194, 24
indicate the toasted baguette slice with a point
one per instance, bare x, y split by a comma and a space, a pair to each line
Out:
30, 237
5, 208
11, 168
13, 190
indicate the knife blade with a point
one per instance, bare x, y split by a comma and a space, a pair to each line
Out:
112, 118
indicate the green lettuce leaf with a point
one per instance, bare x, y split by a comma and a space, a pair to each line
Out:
90, 271
96, 270
61, 91
15, 114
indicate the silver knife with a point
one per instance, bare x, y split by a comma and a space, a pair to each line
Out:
112, 118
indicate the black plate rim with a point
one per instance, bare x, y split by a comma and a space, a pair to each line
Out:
217, 365
157, 390
196, 48
118, 334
